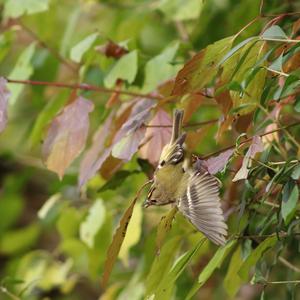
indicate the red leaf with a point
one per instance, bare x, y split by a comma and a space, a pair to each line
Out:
96, 154
156, 137
217, 163
67, 135
4, 96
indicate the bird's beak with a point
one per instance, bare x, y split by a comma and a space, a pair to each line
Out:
147, 203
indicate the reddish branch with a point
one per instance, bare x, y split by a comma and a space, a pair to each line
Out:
82, 86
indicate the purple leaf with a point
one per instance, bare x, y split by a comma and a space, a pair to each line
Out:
255, 147
96, 154
4, 96
129, 144
131, 134
156, 137
217, 163
67, 135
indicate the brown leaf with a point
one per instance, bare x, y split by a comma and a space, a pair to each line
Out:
110, 166
217, 163
256, 147
164, 227
96, 154
201, 69
194, 138
243, 122
111, 49
157, 137
115, 246
190, 105
67, 135
4, 96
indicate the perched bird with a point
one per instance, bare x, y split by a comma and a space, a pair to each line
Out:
194, 191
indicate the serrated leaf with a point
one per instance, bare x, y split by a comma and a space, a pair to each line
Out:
215, 262
164, 227
22, 70
290, 197
202, 68
133, 234
274, 32
92, 223
17, 8
255, 255
67, 135
4, 97
115, 246
160, 68
82, 47
125, 68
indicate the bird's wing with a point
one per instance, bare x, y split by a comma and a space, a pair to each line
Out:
200, 203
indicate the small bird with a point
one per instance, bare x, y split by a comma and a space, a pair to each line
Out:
193, 190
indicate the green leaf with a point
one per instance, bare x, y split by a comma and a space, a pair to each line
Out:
22, 70
115, 246
296, 173
161, 265
82, 47
274, 32
202, 68
50, 208
160, 68
15, 241
117, 179
232, 281
254, 89
133, 235
17, 8
125, 68
235, 49
215, 262
45, 116
256, 254
164, 227
167, 283
290, 196
68, 223
92, 223
181, 10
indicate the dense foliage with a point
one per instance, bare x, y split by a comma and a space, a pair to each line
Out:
87, 90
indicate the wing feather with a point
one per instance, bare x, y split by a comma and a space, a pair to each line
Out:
200, 203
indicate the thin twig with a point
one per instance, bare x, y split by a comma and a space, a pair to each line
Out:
185, 126
82, 86
288, 264
5, 291
277, 72
250, 139
49, 48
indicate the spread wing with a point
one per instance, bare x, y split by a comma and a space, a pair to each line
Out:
200, 203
